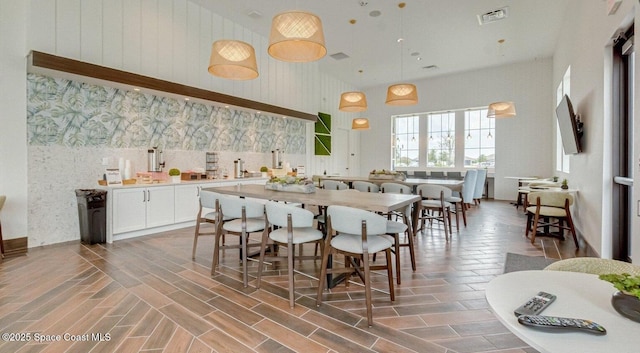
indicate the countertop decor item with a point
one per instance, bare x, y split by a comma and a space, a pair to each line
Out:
291, 184
383, 174
174, 173
627, 300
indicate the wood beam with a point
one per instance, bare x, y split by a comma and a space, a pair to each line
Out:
75, 67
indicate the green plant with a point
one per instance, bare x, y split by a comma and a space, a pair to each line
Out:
564, 181
624, 282
174, 172
264, 169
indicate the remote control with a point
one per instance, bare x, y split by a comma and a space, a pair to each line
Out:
561, 324
535, 305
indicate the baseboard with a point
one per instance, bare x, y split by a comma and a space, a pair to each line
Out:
16, 246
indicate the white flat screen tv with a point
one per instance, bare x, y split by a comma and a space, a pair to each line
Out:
570, 127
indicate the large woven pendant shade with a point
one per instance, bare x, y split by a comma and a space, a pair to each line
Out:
297, 36
402, 94
501, 110
233, 59
353, 102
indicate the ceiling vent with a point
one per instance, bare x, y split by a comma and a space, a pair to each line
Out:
493, 16
339, 56
430, 67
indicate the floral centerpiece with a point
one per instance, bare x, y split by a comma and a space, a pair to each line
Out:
290, 183
386, 175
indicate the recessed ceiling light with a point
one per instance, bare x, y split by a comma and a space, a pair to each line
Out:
137, 89
415, 53
254, 14
186, 98
375, 13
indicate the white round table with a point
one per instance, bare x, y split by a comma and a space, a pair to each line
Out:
579, 295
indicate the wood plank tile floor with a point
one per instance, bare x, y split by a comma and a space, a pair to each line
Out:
147, 295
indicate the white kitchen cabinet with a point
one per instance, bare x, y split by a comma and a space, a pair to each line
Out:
140, 208
136, 210
187, 202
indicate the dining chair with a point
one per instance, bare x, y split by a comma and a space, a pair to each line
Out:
365, 186
287, 226
334, 185
244, 217
207, 214
394, 230
523, 191
3, 198
551, 209
468, 186
454, 175
358, 234
481, 178
395, 188
434, 207
420, 174
436, 175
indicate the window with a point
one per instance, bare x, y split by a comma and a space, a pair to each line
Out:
429, 140
562, 160
479, 146
405, 149
442, 140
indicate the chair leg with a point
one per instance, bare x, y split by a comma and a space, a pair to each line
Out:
528, 228
412, 252
263, 249
392, 293
245, 271
572, 229
323, 270
292, 298
195, 239
535, 227
464, 214
396, 247
216, 249
367, 284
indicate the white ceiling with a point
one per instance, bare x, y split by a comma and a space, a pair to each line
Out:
445, 33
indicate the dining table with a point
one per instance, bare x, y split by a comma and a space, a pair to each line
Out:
578, 295
453, 184
375, 202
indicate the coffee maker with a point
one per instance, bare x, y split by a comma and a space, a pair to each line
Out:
155, 160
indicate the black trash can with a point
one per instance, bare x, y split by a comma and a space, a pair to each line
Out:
92, 211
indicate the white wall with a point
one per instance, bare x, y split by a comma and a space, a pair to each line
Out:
584, 44
13, 117
166, 39
523, 143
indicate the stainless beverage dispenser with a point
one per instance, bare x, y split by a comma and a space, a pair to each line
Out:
155, 161
238, 168
276, 159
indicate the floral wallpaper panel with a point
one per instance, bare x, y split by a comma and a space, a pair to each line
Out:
75, 114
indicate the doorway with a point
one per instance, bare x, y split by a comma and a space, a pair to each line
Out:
623, 91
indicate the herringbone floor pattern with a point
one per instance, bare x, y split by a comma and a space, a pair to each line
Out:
147, 295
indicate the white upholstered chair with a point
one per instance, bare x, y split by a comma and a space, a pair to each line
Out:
395, 230
365, 186
246, 216
434, 207
334, 185
358, 234
289, 225
594, 265
469, 186
481, 178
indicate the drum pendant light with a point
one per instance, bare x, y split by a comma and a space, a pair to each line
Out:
296, 36
360, 124
402, 93
233, 59
353, 101
501, 110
